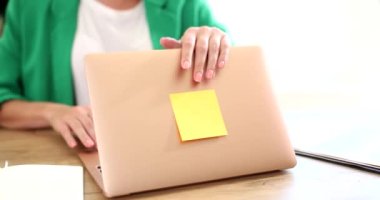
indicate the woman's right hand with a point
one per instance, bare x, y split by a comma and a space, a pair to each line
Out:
72, 122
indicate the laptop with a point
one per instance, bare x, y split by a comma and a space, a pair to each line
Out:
139, 142
347, 135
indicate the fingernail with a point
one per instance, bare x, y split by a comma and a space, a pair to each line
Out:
210, 74
90, 142
198, 77
221, 64
186, 64
72, 144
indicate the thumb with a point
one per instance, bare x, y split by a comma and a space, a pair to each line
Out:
170, 43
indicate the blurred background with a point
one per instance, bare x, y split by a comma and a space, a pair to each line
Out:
324, 46
323, 58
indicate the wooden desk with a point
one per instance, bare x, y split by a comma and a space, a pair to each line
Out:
310, 179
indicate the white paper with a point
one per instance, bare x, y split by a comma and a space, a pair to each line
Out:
41, 182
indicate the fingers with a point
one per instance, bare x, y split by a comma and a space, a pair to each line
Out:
74, 121
201, 51
87, 121
87, 110
208, 48
224, 51
188, 44
170, 43
78, 129
213, 53
64, 130
81, 125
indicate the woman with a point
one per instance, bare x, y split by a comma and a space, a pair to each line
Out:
42, 83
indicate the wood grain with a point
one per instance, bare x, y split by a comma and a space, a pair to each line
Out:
310, 179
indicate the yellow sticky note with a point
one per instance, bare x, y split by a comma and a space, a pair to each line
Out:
198, 114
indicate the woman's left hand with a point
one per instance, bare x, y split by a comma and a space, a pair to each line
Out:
207, 47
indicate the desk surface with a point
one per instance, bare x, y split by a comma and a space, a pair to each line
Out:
310, 179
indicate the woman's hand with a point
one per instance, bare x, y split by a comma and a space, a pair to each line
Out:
72, 122
207, 47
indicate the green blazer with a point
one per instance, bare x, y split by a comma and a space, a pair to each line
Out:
35, 48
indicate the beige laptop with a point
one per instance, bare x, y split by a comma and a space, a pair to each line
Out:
139, 145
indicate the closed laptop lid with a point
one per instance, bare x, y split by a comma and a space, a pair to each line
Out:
139, 144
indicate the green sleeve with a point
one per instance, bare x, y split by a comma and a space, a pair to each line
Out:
10, 52
198, 13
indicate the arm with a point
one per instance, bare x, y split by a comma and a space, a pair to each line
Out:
18, 114
16, 111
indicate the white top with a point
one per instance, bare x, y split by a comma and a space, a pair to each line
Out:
103, 29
